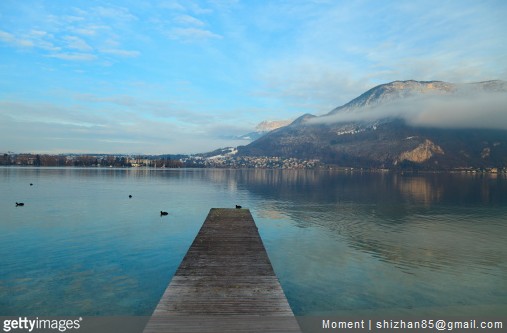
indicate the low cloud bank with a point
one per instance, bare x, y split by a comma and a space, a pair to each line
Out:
482, 110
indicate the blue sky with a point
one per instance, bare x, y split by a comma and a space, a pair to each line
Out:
176, 76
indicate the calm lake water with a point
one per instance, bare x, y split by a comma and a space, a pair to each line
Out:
340, 243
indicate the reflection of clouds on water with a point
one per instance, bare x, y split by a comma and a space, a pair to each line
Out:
438, 242
434, 264
271, 214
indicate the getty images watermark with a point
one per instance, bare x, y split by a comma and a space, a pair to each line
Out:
23, 323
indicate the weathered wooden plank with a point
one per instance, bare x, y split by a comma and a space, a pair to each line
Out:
225, 283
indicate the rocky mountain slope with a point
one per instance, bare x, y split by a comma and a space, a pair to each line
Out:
398, 125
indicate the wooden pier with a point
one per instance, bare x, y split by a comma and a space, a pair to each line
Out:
225, 283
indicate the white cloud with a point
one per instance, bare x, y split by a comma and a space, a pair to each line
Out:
73, 33
480, 111
47, 127
9, 38
310, 84
175, 110
122, 53
115, 13
72, 18
466, 109
195, 8
74, 56
6, 37
184, 6
77, 43
22, 111
85, 31
122, 100
188, 20
24, 43
170, 4
192, 34
89, 30
38, 33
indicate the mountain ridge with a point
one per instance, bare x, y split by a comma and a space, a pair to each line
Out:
390, 141
264, 127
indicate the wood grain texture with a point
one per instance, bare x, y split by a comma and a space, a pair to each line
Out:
225, 283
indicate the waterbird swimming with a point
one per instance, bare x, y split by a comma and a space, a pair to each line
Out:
20, 204
130, 195
238, 207
31, 184
163, 213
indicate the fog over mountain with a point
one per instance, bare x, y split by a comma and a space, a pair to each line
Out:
429, 124
429, 104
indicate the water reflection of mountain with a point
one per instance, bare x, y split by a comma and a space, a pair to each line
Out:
322, 187
438, 221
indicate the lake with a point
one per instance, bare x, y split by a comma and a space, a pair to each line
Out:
340, 243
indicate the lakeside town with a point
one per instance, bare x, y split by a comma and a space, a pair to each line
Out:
225, 161
154, 161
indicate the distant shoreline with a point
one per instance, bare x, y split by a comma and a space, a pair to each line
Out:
471, 172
